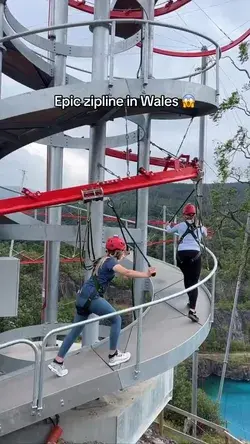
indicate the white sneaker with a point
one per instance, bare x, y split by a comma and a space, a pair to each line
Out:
119, 358
58, 369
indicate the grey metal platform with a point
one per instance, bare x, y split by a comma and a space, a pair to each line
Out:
32, 116
168, 338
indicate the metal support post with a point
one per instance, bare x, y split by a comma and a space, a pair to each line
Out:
199, 198
202, 135
142, 213
175, 245
195, 366
12, 241
236, 297
100, 54
143, 161
59, 14
164, 208
2, 5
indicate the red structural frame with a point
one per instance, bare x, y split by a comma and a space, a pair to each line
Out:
156, 161
211, 52
175, 170
166, 9
130, 13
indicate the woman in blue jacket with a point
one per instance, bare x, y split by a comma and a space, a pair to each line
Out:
90, 299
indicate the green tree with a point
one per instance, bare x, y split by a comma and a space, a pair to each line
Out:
182, 398
237, 146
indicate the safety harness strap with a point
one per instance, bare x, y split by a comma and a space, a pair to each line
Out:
197, 256
98, 287
190, 230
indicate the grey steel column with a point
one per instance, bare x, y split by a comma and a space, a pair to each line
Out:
54, 175
164, 233
175, 245
2, 4
143, 161
199, 198
195, 368
202, 134
12, 242
98, 142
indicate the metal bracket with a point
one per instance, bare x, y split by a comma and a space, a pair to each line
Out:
29, 193
146, 173
136, 374
92, 195
33, 410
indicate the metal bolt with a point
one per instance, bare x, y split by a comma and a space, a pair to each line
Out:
62, 402
136, 374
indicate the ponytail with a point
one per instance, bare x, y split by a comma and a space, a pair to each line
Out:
117, 254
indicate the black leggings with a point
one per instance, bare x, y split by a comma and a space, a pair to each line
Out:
190, 266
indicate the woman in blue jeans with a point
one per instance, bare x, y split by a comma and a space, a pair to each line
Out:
90, 300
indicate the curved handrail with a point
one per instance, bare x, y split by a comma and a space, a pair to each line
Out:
60, 48
39, 370
121, 312
113, 22
36, 370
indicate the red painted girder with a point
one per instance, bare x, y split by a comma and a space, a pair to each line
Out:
210, 52
156, 161
129, 13
73, 194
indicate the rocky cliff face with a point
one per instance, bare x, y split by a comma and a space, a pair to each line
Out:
209, 365
241, 326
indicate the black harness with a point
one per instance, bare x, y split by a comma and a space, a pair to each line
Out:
190, 230
84, 311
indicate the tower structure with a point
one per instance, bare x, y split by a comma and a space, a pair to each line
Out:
35, 117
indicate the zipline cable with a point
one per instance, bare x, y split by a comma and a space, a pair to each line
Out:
110, 203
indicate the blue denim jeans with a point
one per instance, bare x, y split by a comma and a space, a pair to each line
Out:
98, 306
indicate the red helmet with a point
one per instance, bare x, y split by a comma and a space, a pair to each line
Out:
115, 243
189, 209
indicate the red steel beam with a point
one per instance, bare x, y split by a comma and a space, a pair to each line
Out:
130, 13
156, 161
210, 52
73, 194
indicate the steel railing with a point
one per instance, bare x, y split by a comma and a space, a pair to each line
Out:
145, 59
36, 364
138, 308
38, 383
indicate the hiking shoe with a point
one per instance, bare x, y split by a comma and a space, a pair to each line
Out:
58, 369
193, 316
119, 358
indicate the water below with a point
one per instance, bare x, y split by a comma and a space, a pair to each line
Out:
235, 404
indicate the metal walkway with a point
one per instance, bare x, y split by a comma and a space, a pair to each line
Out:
168, 337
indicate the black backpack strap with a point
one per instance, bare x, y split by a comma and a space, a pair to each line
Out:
190, 230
